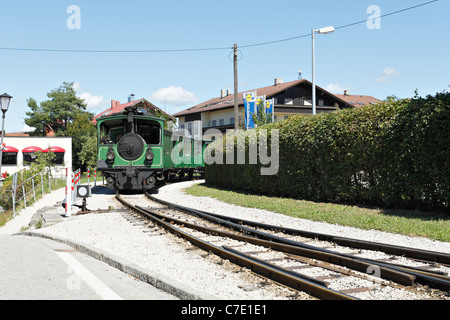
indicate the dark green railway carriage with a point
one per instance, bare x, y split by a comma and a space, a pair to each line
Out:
134, 151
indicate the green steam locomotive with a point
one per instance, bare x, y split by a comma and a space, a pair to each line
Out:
135, 151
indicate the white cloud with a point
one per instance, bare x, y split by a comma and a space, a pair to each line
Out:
336, 88
176, 96
387, 75
76, 86
91, 100
27, 128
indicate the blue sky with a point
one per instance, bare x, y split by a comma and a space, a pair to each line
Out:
410, 50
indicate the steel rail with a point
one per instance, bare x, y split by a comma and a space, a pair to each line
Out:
361, 266
431, 256
264, 269
429, 278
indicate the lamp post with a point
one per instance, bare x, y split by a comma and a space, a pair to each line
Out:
313, 33
4, 104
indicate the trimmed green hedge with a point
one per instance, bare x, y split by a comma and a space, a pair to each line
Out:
394, 154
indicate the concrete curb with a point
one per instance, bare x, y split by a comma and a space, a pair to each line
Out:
162, 282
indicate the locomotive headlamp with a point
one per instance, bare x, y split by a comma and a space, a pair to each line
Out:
110, 155
149, 155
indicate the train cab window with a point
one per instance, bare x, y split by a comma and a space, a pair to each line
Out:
150, 131
111, 131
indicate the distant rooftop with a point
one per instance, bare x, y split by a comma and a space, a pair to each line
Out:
227, 100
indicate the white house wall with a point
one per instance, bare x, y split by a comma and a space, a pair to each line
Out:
209, 117
21, 143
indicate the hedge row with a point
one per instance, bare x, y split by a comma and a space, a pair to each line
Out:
394, 154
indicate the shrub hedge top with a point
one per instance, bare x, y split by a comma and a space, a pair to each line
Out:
393, 154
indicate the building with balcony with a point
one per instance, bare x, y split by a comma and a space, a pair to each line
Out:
290, 98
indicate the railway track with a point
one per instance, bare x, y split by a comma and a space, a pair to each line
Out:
278, 254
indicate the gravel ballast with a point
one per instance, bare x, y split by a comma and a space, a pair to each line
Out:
161, 253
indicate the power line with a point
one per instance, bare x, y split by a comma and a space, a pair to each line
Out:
214, 48
115, 51
340, 27
387, 14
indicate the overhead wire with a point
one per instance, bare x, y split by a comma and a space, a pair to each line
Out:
340, 27
212, 48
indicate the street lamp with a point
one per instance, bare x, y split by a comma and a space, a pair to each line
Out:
4, 104
313, 33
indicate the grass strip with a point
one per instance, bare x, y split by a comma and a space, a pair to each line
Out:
411, 223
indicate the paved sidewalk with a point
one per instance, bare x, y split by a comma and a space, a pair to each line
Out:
24, 216
41, 269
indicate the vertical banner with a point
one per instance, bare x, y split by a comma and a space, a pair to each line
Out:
260, 102
269, 109
249, 107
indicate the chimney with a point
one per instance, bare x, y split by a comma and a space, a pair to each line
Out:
222, 93
228, 92
346, 93
278, 81
114, 103
131, 97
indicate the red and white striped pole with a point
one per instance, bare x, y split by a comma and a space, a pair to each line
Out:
67, 169
69, 179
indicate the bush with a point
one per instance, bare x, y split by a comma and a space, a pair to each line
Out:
42, 162
394, 154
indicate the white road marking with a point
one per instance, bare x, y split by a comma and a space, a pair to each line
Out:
92, 281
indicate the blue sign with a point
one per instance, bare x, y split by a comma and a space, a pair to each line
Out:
250, 109
269, 107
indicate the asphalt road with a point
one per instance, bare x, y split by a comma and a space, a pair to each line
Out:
41, 269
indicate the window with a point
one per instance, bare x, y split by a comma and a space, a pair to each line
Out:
9, 158
29, 155
111, 131
221, 122
149, 130
321, 103
232, 120
59, 158
307, 102
214, 123
298, 101
28, 158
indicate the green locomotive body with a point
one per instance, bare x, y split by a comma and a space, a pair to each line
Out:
135, 151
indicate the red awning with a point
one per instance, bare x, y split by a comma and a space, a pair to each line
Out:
10, 149
54, 149
32, 149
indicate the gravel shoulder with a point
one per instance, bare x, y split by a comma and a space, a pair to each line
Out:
175, 194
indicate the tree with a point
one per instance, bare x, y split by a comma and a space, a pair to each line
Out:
65, 114
57, 112
38, 118
84, 141
261, 118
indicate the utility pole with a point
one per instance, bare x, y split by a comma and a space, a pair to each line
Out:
236, 106
313, 33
